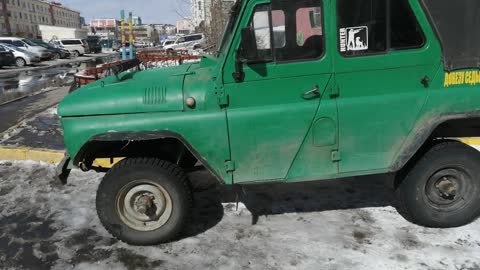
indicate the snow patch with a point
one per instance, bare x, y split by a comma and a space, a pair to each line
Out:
345, 224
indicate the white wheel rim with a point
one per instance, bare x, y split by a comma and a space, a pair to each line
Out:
157, 215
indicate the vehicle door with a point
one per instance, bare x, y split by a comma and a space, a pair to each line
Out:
180, 43
384, 61
194, 40
271, 109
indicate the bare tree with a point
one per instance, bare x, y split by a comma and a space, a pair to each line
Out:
219, 11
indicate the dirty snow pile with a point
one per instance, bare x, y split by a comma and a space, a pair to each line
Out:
344, 224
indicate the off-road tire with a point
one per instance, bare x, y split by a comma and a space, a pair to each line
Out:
20, 62
163, 173
421, 199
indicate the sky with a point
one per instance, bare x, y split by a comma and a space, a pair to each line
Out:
151, 11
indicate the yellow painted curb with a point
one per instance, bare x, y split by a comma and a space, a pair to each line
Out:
46, 155
471, 141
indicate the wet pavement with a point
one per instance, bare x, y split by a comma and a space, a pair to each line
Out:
40, 131
13, 113
15, 83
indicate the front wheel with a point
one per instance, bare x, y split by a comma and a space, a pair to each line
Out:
20, 62
443, 189
75, 54
144, 201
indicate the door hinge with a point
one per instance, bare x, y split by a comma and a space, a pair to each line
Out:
229, 166
336, 156
223, 100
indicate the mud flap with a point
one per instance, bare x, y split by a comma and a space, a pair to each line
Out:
62, 172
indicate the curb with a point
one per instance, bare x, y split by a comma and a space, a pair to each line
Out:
45, 155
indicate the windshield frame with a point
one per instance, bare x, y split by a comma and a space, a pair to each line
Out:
227, 32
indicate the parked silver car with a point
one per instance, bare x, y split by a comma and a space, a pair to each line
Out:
22, 57
27, 45
187, 42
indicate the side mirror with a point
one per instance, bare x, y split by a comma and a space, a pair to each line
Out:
248, 45
247, 53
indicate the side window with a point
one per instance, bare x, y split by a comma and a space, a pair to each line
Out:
18, 43
261, 26
405, 30
368, 27
298, 38
362, 26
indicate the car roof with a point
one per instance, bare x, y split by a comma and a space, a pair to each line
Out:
10, 38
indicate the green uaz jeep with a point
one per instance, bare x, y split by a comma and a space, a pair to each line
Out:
298, 91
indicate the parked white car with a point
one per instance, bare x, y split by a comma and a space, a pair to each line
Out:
75, 46
187, 42
22, 57
27, 45
140, 44
167, 42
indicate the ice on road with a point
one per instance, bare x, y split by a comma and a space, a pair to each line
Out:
341, 224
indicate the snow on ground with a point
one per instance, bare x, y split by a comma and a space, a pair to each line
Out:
340, 224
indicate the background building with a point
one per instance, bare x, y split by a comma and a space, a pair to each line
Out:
165, 29
137, 20
22, 17
105, 28
185, 27
63, 16
201, 15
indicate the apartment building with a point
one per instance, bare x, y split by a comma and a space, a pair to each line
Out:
63, 16
22, 17
204, 10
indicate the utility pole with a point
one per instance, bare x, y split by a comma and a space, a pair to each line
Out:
122, 29
130, 26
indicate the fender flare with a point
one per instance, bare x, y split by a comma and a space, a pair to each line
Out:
145, 136
421, 133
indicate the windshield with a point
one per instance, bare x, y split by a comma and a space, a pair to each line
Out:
229, 27
42, 44
29, 42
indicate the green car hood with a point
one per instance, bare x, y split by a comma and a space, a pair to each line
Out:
155, 90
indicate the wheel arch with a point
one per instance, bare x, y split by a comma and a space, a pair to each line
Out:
435, 130
164, 144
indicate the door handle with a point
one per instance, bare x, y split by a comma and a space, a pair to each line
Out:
315, 92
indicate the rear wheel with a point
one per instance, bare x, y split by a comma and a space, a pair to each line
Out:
443, 189
20, 62
144, 201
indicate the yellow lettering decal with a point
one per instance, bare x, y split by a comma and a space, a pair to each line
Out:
462, 78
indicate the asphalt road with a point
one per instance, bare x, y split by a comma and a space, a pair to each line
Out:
13, 113
16, 82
